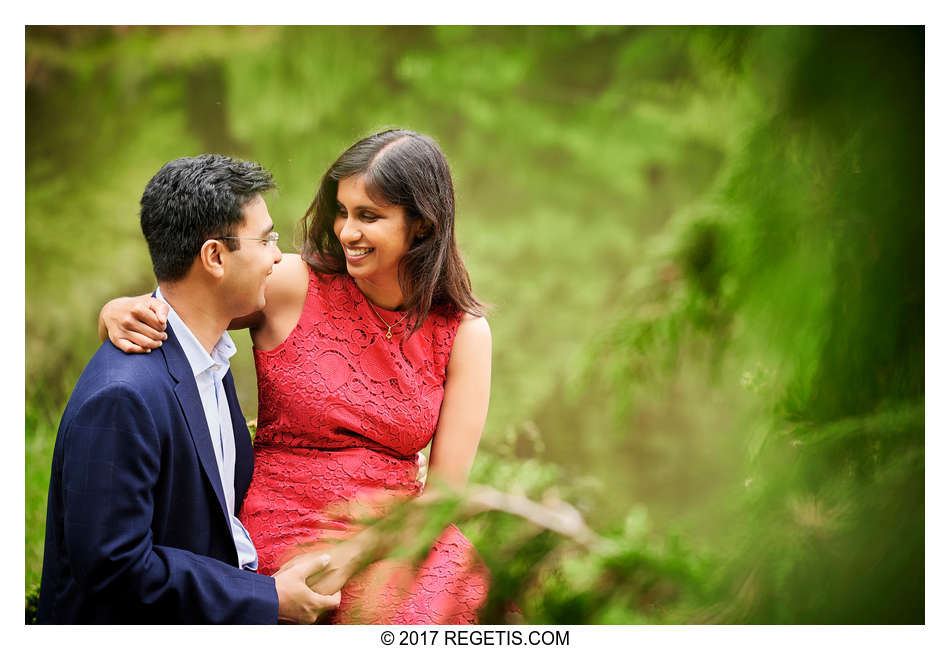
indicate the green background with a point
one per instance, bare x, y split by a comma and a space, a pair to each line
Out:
703, 248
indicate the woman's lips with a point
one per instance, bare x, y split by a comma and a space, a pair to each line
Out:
356, 254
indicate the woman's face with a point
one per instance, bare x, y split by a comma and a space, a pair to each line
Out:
374, 237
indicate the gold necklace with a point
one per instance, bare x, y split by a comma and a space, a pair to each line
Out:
389, 328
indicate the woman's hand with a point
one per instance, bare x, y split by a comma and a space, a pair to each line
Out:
422, 474
346, 558
134, 324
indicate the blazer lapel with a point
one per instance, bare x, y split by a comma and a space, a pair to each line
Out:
186, 390
243, 450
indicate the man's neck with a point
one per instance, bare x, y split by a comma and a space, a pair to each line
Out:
193, 309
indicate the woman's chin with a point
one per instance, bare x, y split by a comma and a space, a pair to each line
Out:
356, 270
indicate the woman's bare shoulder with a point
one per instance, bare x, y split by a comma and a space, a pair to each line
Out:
287, 284
284, 297
473, 336
474, 325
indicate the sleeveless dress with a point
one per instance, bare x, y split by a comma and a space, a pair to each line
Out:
342, 413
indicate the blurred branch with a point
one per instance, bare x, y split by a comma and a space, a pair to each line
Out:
412, 526
556, 515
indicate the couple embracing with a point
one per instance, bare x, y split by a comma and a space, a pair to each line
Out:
368, 345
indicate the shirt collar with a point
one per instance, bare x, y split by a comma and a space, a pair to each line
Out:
198, 358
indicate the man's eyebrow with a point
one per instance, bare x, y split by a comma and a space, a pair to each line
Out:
268, 229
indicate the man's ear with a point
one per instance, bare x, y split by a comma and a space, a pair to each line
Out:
211, 257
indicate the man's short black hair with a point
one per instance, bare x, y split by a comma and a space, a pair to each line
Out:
191, 200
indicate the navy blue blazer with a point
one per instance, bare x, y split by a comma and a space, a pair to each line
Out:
136, 525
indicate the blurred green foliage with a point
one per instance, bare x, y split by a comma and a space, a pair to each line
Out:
704, 247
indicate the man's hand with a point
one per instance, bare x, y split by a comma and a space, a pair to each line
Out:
297, 603
134, 324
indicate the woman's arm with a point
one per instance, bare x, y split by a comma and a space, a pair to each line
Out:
284, 298
464, 405
134, 324
461, 420
137, 324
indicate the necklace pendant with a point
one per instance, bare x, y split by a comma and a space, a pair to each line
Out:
389, 334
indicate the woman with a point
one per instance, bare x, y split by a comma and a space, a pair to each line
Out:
371, 343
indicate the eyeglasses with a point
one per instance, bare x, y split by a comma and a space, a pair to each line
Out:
271, 239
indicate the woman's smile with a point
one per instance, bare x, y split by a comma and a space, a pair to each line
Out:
356, 253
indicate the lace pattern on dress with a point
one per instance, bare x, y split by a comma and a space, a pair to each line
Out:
342, 413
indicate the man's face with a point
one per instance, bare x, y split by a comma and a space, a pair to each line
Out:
248, 267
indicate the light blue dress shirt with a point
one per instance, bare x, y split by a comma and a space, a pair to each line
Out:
209, 372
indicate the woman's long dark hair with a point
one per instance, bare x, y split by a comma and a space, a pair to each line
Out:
399, 168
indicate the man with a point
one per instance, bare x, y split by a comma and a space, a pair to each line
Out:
153, 458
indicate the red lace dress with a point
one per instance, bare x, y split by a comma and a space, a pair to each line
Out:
342, 413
